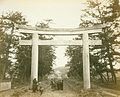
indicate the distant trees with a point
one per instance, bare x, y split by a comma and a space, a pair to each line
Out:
45, 24
46, 53
15, 60
102, 57
76, 67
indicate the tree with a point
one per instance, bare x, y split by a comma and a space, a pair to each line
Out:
15, 59
75, 55
46, 53
46, 59
107, 15
103, 57
3, 57
8, 38
45, 24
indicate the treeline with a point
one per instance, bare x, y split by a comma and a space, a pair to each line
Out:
104, 57
15, 60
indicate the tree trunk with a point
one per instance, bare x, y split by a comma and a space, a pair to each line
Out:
111, 66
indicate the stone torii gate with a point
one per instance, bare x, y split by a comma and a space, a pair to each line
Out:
56, 31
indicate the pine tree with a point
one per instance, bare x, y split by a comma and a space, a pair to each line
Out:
102, 57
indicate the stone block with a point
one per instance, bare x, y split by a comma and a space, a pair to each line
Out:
5, 86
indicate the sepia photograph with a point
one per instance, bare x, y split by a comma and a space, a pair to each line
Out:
59, 48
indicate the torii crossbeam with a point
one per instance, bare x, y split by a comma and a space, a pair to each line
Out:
49, 31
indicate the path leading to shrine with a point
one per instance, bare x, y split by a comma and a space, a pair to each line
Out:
72, 88
48, 92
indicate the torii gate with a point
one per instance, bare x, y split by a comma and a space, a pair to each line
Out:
49, 31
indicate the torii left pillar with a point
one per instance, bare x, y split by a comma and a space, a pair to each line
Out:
34, 65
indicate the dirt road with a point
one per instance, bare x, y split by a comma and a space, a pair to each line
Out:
48, 92
72, 88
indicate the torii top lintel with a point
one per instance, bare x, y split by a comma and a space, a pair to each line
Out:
59, 31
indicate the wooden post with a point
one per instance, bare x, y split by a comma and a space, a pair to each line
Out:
34, 65
86, 62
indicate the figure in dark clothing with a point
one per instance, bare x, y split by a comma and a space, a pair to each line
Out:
59, 83
53, 84
35, 85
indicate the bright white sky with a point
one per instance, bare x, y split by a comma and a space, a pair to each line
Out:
65, 13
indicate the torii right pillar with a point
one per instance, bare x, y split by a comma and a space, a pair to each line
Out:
86, 61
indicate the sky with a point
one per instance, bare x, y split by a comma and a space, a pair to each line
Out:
64, 13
